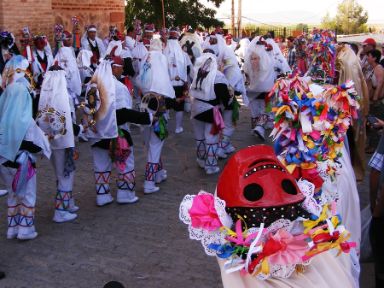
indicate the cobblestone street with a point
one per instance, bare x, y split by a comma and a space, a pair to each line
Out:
140, 245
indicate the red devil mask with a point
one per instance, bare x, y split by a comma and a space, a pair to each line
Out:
256, 187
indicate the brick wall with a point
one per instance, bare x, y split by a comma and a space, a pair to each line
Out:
98, 12
37, 14
42, 15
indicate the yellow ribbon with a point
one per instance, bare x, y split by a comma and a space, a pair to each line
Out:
283, 109
290, 168
228, 231
307, 165
232, 233
335, 222
263, 268
309, 224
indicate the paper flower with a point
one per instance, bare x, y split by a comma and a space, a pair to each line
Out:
291, 251
203, 213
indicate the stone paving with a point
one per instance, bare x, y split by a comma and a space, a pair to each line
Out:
140, 245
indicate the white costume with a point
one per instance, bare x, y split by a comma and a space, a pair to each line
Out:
96, 46
89, 44
154, 78
229, 66
58, 126
139, 52
191, 44
258, 67
104, 128
102, 159
241, 52
177, 68
110, 135
67, 60
344, 191
206, 118
130, 43
281, 63
39, 57
83, 61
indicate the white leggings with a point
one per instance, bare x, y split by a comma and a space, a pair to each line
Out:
102, 165
206, 143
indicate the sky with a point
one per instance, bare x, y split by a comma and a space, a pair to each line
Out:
295, 11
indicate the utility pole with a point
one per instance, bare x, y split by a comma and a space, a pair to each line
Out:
233, 17
239, 16
162, 7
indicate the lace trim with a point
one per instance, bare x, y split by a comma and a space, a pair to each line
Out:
206, 237
309, 204
329, 192
218, 236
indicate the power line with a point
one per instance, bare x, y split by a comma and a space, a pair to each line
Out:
254, 20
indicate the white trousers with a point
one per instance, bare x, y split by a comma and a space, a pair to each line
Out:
228, 130
21, 207
258, 114
64, 180
206, 143
154, 146
259, 117
102, 165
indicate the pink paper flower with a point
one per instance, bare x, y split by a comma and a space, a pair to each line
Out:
203, 213
292, 249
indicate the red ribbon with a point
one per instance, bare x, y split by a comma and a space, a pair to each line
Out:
271, 247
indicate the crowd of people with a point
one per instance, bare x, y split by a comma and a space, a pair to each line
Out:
110, 83
92, 89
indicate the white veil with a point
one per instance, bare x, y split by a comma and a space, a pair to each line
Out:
261, 79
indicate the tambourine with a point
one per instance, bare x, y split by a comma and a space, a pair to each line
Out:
92, 104
153, 102
29, 75
52, 122
231, 91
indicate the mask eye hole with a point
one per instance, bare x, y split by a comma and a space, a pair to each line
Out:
253, 192
289, 187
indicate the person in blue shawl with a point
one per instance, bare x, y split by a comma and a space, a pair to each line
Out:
20, 139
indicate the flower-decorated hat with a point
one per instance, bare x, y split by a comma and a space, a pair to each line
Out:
279, 242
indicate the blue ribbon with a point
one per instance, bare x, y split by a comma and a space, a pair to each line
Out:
223, 251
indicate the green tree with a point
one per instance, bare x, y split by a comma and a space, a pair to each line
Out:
328, 22
177, 13
301, 27
350, 18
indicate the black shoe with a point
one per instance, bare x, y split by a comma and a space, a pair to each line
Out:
2, 275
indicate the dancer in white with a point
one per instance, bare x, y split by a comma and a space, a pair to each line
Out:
178, 71
228, 65
260, 77
108, 130
90, 42
154, 80
54, 118
209, 90
42, 58
20, 139
241, 51
66, 59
